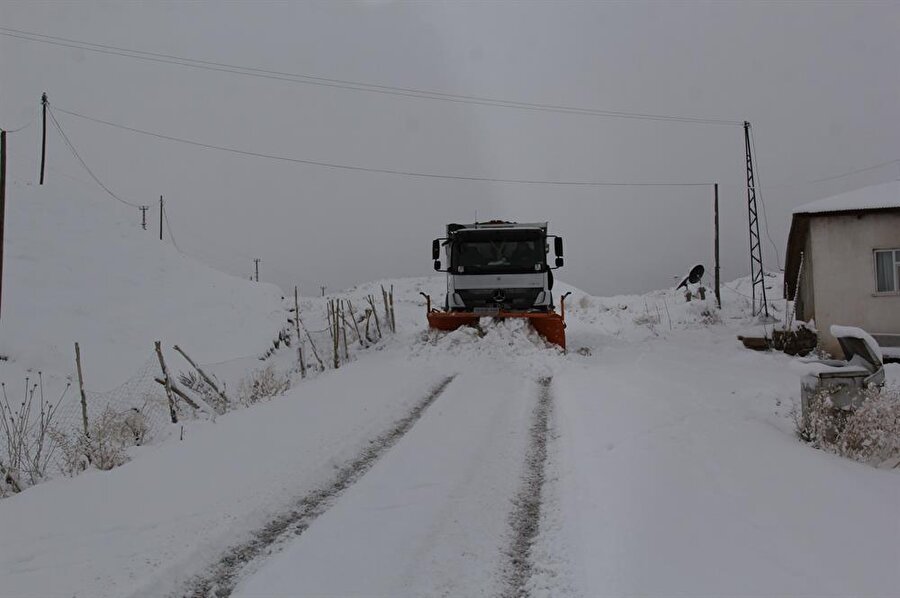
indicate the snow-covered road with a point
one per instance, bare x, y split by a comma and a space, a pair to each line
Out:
680, 476
432, 517
671, 468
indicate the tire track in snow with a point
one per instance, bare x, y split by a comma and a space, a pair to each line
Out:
220, 580
526, 515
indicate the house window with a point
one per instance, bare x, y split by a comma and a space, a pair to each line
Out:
887, 270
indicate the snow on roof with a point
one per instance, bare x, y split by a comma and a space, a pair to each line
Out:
874, 197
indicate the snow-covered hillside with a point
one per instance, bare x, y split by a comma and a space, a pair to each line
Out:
79, 268
656, 457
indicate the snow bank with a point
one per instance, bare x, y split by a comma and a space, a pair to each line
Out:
500, 345
80, 268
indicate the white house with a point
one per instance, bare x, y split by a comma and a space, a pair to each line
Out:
843, 261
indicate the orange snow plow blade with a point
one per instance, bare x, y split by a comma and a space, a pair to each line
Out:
550, 325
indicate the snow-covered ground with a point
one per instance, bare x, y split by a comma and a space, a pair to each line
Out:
78, 268
672, 467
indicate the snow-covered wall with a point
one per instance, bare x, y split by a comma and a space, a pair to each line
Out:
843, 271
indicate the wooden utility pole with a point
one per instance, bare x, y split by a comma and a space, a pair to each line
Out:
2, 202
716, 210
256, 261
44, 139
160, 216
144, 216
323, 290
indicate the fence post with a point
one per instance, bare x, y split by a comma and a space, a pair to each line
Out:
206, 378
297, 326
84, 416
355, 323
167, 382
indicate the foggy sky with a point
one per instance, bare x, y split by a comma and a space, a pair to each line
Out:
819, 82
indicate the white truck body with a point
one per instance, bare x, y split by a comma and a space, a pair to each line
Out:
498, 266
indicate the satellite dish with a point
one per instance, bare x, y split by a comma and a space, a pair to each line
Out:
693, 276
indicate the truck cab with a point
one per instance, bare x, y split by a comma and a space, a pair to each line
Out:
497, 266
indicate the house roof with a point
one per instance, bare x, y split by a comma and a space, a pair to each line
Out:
874, 197
883, 197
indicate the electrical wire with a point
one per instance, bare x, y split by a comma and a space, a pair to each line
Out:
25, 126
857, 171
306, 79
84, 165
169, 228
406, 173
761, 200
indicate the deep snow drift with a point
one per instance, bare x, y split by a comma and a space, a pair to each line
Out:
672, 466
79, 268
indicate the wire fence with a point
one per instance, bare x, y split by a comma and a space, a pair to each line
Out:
139, 393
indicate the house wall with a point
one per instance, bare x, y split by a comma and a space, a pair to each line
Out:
843, 268
806, 299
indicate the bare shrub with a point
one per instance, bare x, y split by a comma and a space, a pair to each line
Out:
106, 444
193, 381
647, 319
709, 316
261, 385
868, 432
872, 432
25, 428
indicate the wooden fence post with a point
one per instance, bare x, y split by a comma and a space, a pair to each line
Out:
297, 326
311, 344
167, 382
335, 338
371, 300
393, 318
355, 323
206, 378
84, 416
344, 331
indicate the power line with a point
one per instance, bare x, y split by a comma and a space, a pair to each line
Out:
169, 228
25, 126
407, 173
833, 177
761, 200
857, 171
306, 79
85, 166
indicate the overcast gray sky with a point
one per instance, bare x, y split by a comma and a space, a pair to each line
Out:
819, 81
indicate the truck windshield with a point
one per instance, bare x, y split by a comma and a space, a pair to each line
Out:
493, 252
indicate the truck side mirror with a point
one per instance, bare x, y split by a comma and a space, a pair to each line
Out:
558, 247
559, 262
435, 250
437, 265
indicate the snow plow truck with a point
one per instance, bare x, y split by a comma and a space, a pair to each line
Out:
500, 270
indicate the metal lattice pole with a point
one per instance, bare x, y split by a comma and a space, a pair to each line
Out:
757, 274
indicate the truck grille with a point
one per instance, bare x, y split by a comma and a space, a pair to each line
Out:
518, 299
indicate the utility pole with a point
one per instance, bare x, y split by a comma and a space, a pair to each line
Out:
256, 261
2, 201
161, 208
44, 141
144, 216
716, 210
323, 290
